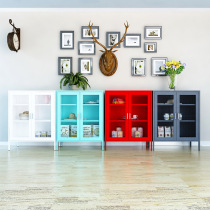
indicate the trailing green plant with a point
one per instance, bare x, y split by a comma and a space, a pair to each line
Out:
74, 79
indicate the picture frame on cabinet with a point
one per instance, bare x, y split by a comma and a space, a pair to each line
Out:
85, 65
64, 65
153, 32
138, 67
132, 40
66, 40
150, 47
86, 34
156, 63
112, 38
86, 48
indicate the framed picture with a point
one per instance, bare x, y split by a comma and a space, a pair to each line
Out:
112, 38
85, 32
86, 65
156, 63
67, 40
153, 32
86, 48
132, 40
150, 47
64, 65
138, 66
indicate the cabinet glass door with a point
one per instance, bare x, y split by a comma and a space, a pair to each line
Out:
139, 116
165, 116
187, 116
42, 126
91, 116
20, 116
68, 116
118, 116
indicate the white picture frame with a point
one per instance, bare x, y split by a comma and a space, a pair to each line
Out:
67, 40
86, 48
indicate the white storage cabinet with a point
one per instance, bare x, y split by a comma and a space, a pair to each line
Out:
39, 124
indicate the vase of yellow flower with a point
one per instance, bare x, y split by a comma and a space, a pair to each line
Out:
171, 69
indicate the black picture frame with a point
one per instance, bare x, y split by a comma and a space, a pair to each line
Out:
84, 29
114, 37
129, 40
150, 47
81, 66
66, 40
90, 48
133, 66
60, 65
156, 30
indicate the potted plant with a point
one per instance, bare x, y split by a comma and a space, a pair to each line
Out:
75, 81
171, 69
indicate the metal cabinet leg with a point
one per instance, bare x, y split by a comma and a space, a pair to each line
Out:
8, 146
199, 146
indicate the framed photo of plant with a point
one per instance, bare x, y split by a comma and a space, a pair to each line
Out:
64, 65
67, 40
153, 32
138, 67
132, 40
156, 64
150, 47
86, 34
86, 65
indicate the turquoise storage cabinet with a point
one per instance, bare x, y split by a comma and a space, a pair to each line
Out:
86, 123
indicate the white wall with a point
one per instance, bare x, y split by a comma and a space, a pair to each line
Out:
186, 37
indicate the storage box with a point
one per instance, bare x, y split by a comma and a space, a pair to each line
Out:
119, 133
86, 130
167, 131
114, 133
160, 131
95, 130
140, 129
73, 130
64, 130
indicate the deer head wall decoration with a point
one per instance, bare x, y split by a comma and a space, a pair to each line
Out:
108, 62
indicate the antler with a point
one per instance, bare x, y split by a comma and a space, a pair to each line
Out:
94, 39
122, 39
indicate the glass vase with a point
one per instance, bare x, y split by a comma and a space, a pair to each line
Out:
172, 81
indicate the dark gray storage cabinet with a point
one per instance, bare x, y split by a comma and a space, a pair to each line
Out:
184, 123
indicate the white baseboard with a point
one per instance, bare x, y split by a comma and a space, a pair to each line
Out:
203, 143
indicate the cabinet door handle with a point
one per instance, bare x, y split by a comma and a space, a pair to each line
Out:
178, 116
175, 116
127, 116
130, 115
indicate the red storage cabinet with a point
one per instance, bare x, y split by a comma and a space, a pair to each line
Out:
120, 108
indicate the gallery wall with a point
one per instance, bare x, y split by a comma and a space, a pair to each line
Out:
185, 38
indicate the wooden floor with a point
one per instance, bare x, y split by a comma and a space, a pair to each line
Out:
122, 178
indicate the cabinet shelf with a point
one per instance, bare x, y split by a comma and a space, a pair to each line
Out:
43, 104
20, 104
116, 104
42, 120
139, 120
187, 104
165, 120
68, 104
90, 104
139, 104
85, 121
165, 104
187, 121
117, 120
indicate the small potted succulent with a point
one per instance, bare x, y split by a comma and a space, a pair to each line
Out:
75, 81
